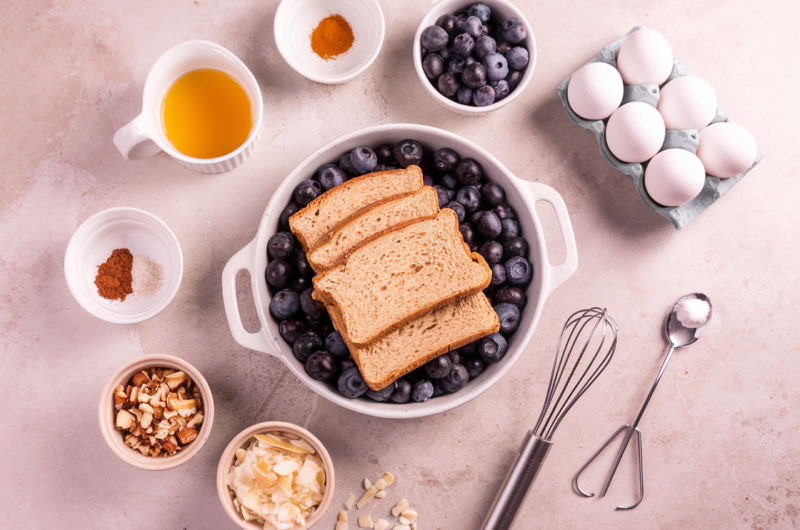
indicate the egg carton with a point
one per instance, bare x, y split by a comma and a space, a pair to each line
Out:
714, 187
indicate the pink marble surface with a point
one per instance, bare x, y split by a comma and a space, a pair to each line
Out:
721, 434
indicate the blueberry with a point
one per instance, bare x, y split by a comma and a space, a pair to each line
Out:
513, 78
503, 46
422, 391
309, 306
469, 60
307, 191
475, 367
434, 38
446, 54
501, 90
278, 273
481, 11
363, 160
299, 283
510, 230
469, 197
483, 96
498, 275
281, 245
402, 391
492, 83
493, 347
332, 177
285, 304
321, 325
474, 75
469, 172
519, 271
513, 31
492, 252
509, 318
449, 23
302, 267
455, 356
290, 330
469, 350
381, 395
489, 225
468, 235
473, 27
493, 194
346, 165
427, 180
456, 66
504, 211
484, 46
407, 152
322, 168
475, 217
463, 14
510, 295
290, 210
321, 366
385, 154
456, 379
443, 196
516, 246
445, 160
459, 209
438, 390
433, 65
517, 58
450, 182
305, 345
346, 364
463, 44
464, 95
496, 66
334, 343
438, 367
351, 384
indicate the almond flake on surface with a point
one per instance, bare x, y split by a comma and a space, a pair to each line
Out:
381, 494
365, 521
341, 526
381, 524
413, 526
401, 527
388, 479
368, 495
380, 485
367, 484
349, 502
342, 516
408, 516
400, 507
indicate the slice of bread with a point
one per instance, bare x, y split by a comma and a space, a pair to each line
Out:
399, 276
315, 223
426, 337
378, 220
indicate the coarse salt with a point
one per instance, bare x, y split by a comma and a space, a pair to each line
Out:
148, 276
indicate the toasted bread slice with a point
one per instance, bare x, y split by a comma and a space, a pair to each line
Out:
426, 337
373, 223
399, 276
316, 222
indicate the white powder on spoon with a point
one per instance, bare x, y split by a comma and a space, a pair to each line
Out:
148, 276
692, 312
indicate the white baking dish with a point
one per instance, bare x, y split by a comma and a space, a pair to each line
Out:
521, 195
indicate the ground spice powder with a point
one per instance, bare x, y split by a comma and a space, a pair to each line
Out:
114, 279
333, 36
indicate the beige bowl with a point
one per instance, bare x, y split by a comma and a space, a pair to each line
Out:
241, 439
114, 438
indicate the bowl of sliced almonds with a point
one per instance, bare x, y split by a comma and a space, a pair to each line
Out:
275, 475
156, 412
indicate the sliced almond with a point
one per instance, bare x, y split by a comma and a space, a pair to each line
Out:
368, 495
365, 521
341, 526
367, 484
381, 494
343, 516
379, 485
381, 524
240, 454
408, 516
280, 444
388, 479
413, 526
400, 507
401, 527
349, 502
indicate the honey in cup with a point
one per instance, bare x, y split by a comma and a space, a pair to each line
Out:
206, 114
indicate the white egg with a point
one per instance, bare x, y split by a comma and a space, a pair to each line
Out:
674, 177
687, 102
635, 132
595, 91
645, 58
726, 149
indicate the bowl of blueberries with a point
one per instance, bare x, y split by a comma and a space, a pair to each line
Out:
474, 58
498, 219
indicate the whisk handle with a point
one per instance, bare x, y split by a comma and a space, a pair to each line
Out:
517, 483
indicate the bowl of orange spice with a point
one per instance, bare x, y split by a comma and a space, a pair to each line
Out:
329, 41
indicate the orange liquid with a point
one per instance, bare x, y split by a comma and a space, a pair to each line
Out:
206, 113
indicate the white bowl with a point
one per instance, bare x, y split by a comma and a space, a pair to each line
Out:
501, 11
296, 19
521, 195
140, 232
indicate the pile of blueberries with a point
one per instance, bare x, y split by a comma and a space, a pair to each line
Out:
472, 61
488, 225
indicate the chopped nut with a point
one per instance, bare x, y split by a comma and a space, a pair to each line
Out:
147, 419
187, 435
144, 407
175, 379
169, 447
197, 419
400, 507
120, 396
349, 502
124, 420
381, 524
368, 495
381, 494
158, 413
170, 414
342, 516
140, 378
367, 484
408, 516
365, 521
134, 394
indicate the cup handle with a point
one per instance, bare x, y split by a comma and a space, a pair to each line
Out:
255, 341
560, 273
134, 141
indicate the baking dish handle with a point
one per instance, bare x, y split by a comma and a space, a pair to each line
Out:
559, 273
241, 261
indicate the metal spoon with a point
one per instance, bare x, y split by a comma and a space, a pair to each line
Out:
678, 336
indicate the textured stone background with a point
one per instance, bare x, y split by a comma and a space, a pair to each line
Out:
721, 434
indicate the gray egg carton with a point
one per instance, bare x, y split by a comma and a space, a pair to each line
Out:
714, 187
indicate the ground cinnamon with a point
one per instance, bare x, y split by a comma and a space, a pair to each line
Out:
114, 279
332, 37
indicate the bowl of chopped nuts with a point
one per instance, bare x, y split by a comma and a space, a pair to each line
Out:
275, 475
156, 412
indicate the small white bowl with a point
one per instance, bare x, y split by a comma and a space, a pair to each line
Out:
140, 232
108, 413
296, 19
501, 11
